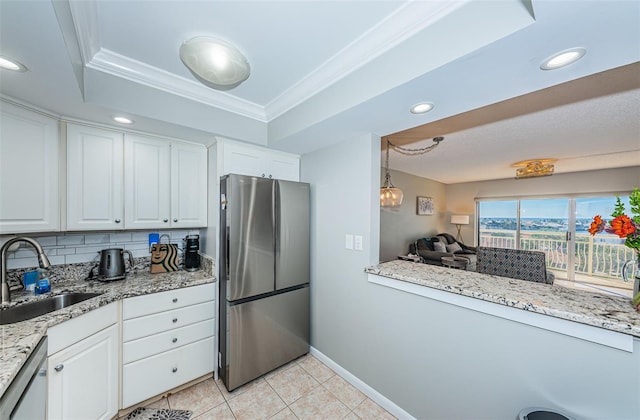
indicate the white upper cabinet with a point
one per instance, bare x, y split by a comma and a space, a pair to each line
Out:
188, 185
94, 179
147, 177
130, 181
256, 161
29, 145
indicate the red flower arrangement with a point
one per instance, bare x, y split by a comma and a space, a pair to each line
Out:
623, 226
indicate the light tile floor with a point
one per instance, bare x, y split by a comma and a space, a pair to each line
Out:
303, 389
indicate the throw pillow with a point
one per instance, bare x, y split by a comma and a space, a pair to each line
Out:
453, 248
439, 246
424, 243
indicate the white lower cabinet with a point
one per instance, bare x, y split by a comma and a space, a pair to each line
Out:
83, 373
168, 340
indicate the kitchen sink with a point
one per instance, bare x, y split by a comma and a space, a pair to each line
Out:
33, 309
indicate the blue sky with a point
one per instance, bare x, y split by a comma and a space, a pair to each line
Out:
586, 207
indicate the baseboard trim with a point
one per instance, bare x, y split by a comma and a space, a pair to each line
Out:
374, 395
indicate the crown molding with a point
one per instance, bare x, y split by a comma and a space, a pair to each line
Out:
399, 26
138, 72
405, 22
87, 26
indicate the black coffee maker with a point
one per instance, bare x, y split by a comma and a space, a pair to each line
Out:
191, 256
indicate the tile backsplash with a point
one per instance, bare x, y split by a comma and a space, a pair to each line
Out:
73, 248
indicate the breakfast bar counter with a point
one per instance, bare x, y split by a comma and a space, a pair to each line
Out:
611, 313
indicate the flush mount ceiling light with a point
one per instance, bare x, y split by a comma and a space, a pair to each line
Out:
215, 63
122, 120
563, 58
11, 64
534, 168
421, 108
391, 196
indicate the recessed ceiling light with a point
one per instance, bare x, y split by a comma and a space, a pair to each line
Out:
563, 58
123, 120
421, 108
10, 64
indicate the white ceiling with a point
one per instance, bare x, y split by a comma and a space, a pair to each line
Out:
325, 71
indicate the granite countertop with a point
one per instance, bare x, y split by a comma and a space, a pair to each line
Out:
18, 340
595, 309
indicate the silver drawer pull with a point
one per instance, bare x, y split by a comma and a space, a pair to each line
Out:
58, 368
175, 300
174, 370
175, 220
175, 320
175, 340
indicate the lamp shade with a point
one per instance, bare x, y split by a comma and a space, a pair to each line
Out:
390, 197
459, 219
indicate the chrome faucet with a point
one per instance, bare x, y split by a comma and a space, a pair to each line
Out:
43, 262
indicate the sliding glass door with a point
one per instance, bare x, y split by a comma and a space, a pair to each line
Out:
559, 228
545, 226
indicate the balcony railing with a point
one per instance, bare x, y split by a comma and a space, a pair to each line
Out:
601, 256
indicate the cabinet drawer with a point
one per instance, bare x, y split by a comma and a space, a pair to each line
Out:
154, 375
165, 301
76, 329
158, 343
145, 326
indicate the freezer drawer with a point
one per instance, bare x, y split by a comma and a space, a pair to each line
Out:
263, 335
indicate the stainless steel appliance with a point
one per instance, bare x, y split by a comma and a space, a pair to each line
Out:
191, 256
111, 266
26, 395
264, 276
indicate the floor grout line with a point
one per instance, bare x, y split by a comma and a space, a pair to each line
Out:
313, 364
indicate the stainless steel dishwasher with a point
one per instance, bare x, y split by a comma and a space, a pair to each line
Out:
26, 396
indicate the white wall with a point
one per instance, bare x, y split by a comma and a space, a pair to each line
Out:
461, 197
401, 226
429, 358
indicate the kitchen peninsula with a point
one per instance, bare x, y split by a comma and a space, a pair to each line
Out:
607, 312
479, 341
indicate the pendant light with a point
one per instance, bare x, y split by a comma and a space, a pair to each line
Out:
390, 196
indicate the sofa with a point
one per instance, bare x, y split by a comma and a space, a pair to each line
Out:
514, 263
431, 250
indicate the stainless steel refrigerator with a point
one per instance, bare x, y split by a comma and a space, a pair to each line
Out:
264, 276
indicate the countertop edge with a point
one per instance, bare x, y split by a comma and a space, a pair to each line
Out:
439, 279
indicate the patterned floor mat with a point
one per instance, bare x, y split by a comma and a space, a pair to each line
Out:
143, 413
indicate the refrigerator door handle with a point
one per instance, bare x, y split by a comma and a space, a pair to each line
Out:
276, 227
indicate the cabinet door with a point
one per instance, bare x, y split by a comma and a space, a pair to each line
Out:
147, 180
283, 167
94, 179
28, 171
83, 378
188, 185
260, 162
242, 160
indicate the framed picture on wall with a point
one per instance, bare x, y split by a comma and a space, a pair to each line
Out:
425, 206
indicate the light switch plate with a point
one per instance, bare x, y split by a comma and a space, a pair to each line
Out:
357, 242
348, 241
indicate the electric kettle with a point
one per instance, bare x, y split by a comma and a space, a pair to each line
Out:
111, 265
